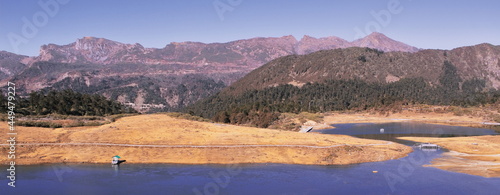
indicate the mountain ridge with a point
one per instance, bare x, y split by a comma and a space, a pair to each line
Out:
94, 50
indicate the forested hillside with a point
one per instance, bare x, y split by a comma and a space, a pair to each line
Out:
350, 79
370, 65
126, 83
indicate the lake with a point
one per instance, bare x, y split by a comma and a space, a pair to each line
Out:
400, 176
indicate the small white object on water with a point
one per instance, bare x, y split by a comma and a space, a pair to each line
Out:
382, 130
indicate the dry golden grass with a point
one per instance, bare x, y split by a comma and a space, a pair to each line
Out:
478, 155
159, 129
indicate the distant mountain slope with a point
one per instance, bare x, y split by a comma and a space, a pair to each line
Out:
90, 50
11, 64
480, 61
375, 41
310, 44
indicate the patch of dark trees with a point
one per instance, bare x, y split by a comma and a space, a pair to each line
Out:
65, 102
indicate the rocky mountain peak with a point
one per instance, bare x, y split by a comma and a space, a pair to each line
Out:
379, 41
92, 50
290, 38
377, 35
92, 43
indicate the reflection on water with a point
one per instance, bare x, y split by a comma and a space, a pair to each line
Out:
399, 176
429, 149
116, 168
406, 128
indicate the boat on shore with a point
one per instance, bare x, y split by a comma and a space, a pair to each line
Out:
116, 160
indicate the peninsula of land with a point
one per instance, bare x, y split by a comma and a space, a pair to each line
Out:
159, 138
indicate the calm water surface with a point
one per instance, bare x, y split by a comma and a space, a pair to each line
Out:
400, 176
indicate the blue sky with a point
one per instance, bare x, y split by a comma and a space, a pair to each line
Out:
443, 24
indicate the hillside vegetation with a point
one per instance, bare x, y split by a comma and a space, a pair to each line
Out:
348, 79
126, 83
374, 66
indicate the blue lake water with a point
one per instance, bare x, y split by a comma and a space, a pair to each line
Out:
400, 176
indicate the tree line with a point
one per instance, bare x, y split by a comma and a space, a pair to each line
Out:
65, 102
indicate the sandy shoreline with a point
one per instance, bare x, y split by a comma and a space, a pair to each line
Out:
478, 155
267, 146
430, 118
482, 159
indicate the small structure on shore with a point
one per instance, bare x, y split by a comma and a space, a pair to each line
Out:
428, 146
305, 129
116, 160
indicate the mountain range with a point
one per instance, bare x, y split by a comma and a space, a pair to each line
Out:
168, 78
250, 52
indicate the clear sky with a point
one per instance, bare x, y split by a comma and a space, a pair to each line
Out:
445, 24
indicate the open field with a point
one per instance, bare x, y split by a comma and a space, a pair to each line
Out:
478, 155
162, 139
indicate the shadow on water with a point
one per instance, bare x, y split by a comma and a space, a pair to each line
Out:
496, 128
